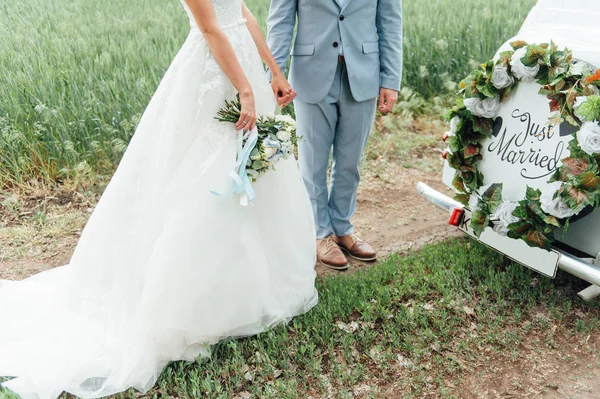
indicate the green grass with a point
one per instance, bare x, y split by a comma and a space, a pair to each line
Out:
75, 75
417, 324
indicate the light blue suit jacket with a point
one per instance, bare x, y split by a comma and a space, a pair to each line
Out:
371, 33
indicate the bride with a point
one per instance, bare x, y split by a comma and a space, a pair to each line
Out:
164, 269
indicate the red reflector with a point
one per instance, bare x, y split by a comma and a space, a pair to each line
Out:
456, 218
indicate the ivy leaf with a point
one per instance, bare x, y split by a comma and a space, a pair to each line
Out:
479, 221
576, 166
518, 44
554, 105
453, 143
551, 220
533, 55
493, 196
488, 90
537, 238
575, 198
521, 212
484, 126
590, 110
533, 194
589, 181
462, 198
472, 151
458, 183
555, 119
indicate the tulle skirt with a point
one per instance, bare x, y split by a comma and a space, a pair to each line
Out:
164, 269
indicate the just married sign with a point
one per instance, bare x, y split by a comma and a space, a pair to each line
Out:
525, 150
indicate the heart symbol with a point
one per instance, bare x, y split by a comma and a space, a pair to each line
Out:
566, 129
497, 126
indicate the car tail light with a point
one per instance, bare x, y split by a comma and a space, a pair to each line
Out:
457, 216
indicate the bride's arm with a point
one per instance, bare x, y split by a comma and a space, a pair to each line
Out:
221, 48
279, 83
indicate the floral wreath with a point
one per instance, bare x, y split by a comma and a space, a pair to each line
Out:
573, 90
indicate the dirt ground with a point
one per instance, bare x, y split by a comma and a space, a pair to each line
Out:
394, 219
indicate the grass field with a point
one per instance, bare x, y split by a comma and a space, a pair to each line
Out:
412, 327
76, 75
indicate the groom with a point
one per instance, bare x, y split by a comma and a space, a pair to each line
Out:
346, 54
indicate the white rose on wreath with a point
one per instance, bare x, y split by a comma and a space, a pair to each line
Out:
454, 126
588, 138
503, 217
556, 207
522, 72
501, 78
579, 101
487, 108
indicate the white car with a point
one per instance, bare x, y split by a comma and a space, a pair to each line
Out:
568, 23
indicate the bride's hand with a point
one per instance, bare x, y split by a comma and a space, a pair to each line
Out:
282, 89
247, 119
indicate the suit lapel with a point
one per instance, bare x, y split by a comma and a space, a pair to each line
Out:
338, 2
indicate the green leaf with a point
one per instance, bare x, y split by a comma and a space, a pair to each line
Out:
487, 90
484, 126
458, 183
533, 55
479, 221
257, 165
462, 198
493, 196
521, 211
590, 110
589, 181
537, 238
533, 194
518, 44
551, 220
574, 197
472, 151
576, 166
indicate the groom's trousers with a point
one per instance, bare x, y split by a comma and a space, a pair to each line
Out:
337, 126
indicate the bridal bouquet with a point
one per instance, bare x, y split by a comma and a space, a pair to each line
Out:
275, 139
260, 149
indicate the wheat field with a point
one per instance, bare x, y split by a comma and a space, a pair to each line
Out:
75, 75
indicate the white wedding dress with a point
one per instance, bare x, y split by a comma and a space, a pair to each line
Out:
164, 268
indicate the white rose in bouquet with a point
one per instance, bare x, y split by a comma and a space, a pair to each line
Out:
589, 138
501, 78
556, 207
578, 103
522, 72
503, 217
284, 135
285, 119
487, 108
270, 152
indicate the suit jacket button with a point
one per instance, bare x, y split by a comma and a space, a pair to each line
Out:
342, 17
335, 44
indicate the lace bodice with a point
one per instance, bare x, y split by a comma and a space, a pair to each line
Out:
228, 12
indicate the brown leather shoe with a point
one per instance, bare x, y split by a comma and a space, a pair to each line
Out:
330, 254
357, 248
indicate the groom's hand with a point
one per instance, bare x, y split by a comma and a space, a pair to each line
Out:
282, 90
387, 100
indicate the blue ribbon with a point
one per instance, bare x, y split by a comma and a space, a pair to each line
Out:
241, 183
